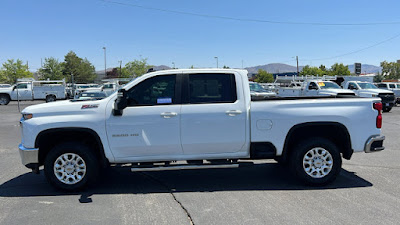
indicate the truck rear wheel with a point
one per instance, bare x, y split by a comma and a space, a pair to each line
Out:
4, 99
71, 166
50, 98
316, 161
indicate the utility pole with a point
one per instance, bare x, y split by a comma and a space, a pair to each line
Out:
173, 65
105, 62
242, 63
41, 62
297, 59
120, 68
216, 57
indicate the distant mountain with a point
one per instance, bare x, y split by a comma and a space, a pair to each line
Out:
365, 68
274, 68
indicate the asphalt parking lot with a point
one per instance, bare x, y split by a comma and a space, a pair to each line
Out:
366, 192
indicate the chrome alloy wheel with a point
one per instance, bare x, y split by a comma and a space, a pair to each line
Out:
317, 162
69, 168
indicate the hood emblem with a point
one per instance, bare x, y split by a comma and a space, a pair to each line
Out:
90, 106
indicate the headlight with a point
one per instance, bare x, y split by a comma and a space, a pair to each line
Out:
27, 116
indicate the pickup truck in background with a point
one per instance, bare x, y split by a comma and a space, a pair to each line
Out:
368, 90
314, 88
194, 119
395, 87
33, 90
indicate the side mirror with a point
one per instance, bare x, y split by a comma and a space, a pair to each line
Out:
120, 103
15, 87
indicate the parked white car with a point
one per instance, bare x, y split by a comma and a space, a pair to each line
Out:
257, 92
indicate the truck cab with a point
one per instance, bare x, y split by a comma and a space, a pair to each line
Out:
315, 88
368, 90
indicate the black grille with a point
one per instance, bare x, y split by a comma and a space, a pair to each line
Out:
387, 97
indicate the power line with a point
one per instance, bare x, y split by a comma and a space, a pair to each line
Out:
249, 19
356, 51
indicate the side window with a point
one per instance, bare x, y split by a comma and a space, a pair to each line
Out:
22, 86
392, 86
312, 86
212, 88
352, 86
382, 86
156, 90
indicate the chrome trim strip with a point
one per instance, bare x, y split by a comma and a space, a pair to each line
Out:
28, 155
370, 141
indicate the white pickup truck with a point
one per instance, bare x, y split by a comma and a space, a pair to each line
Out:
368, 90
33, 90
192, 119
314, 88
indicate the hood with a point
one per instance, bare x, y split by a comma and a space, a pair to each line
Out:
66, 107
336, 91
376, 91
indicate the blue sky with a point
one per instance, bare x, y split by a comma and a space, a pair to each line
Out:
31, 30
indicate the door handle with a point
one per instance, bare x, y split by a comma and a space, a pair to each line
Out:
169, 114
233, 112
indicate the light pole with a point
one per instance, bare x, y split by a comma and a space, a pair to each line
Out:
120, 68
216, 57
105, 62
173, 65
242, 63
297, 60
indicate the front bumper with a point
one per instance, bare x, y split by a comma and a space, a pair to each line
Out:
374, 144
29, 156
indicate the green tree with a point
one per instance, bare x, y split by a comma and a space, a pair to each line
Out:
52, 69
135, 68
339, 69
391, 70
225, 67
378, 78
264, 77
311, 70
82, 69
13, 70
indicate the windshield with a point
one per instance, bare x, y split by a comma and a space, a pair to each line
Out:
367, 86
328, 85
256, 87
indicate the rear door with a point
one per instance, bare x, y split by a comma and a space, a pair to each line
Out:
213, 114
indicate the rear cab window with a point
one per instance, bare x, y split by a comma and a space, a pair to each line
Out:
210, 88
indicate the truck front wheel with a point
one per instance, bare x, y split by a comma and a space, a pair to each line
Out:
71, 166
316, 161
4, 99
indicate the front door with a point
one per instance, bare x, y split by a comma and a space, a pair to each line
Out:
150, 125
22, 91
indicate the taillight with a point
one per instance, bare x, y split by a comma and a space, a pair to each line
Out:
378, 106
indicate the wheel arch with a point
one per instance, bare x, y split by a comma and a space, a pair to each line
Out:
334, 131
47, 139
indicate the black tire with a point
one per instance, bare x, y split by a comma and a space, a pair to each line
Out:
317, 178
51, 98
89, 160
4, 99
